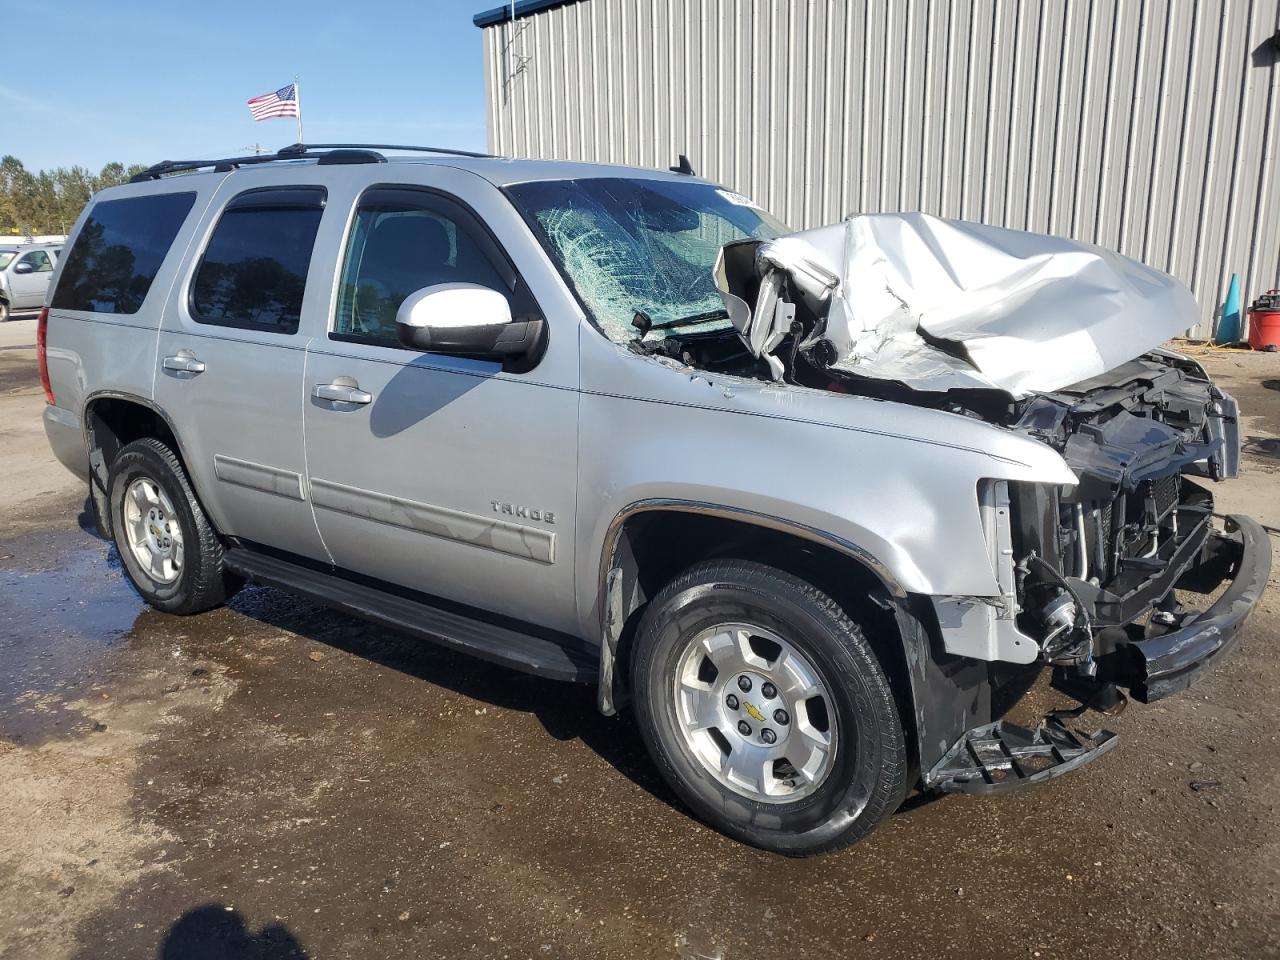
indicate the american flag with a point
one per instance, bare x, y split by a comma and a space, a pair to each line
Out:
281, 103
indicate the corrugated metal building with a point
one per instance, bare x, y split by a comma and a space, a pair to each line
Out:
1146, 126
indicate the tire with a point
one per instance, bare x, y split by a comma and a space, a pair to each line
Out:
862, 776
194, 577
4, 311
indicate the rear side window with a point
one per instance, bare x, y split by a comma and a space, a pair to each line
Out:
119, 249
254, 270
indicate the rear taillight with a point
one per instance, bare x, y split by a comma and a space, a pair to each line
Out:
42, 333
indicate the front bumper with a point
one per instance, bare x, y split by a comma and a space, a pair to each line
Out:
1158, 666
1152, 662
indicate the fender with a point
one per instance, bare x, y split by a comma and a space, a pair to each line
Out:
945, 694
613, 607
97, 465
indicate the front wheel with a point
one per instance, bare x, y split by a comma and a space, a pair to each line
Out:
169, 549
4, 311
766, 709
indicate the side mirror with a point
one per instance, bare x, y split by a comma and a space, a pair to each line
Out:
465, 319
23, 267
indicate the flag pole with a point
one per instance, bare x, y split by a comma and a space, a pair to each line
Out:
297, 95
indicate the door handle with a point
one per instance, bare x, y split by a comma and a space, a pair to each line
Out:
184, 362
342, 390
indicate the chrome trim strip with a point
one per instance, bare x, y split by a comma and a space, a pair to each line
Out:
747, 516
258, 476
514, 539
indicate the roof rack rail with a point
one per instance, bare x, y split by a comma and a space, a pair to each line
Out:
449, 151
324, 152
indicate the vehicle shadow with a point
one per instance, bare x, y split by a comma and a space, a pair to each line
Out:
86, 521
217, 932
566, 711
1262, 447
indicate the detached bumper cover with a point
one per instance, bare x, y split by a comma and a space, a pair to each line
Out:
1166, 664
1001, 757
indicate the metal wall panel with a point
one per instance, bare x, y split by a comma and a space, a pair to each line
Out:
1146, 126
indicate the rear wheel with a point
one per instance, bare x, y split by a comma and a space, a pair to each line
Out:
765, 708
169, 549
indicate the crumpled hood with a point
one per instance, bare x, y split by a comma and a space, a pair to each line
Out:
942, 304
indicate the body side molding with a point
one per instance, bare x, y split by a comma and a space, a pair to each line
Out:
518, 540
258, 476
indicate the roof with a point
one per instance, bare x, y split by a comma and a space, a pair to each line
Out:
502, 171
499, 171
523, 8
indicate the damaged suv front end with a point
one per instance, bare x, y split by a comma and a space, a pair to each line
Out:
1098, 563
1059, 342
983, 420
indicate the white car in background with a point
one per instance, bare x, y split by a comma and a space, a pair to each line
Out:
25, 272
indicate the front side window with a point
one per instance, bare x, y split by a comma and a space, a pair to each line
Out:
399, 244
628, 245
39, 261
254, 270
118, 251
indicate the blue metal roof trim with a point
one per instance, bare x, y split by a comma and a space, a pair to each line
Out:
524, 8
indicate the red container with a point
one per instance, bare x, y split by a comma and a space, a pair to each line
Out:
1264, 321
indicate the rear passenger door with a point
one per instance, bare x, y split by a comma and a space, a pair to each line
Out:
231, 357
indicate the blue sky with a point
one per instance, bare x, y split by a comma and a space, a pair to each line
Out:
141, 82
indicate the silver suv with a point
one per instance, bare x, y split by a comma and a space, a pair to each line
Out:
25, 272
506, 405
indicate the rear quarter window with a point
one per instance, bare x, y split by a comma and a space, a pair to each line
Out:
115, 257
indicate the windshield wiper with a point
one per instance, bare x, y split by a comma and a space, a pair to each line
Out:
718, 314
644, 323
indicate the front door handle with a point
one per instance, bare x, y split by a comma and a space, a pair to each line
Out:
342, 390
184, 362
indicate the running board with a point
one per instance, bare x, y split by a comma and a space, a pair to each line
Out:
496, 643
1001, 756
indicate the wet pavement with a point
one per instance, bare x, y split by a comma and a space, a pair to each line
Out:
275, 780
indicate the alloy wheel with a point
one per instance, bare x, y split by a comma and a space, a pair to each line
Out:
755, 712
152, 530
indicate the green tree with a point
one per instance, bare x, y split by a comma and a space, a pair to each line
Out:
49, 201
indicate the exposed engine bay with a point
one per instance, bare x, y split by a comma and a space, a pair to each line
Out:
1103, 553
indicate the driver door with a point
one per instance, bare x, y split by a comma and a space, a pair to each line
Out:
29, 279
441, 474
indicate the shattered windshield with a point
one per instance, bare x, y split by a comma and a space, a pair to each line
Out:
628, 245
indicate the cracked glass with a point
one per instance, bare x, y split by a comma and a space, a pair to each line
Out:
627, 244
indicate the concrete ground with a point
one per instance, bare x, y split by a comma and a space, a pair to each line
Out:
274, 780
